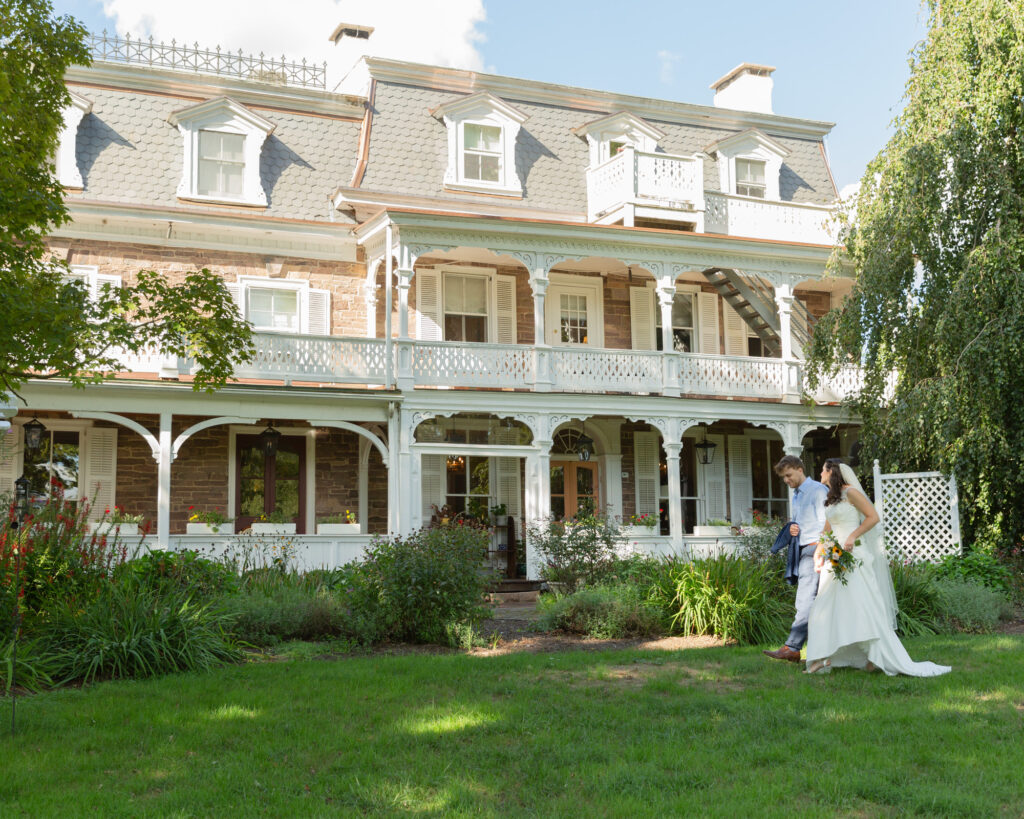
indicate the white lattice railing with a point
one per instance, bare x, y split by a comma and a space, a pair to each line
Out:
316, 358
440, 363
920, 514
581, 370
762, 219
731, 375
835, 388
633, 176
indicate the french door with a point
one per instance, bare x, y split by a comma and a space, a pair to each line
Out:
266, 485
573, 489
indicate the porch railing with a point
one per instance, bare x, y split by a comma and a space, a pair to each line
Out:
637, 177
333, 360
763, 219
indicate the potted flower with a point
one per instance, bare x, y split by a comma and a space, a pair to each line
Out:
645, 521
714, 527
116, 519
276, 523
343, 523
499, 513
207, 522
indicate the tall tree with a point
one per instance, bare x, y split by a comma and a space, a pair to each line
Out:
50, 326
936, 242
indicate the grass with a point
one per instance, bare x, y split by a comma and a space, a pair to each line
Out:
719, 731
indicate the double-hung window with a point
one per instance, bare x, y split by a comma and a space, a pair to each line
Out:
465, 307
56, 461
221, 164
481, 152
683, 326
770, 495
273, 308
750, 178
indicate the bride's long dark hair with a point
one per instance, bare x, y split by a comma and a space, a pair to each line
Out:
835, 481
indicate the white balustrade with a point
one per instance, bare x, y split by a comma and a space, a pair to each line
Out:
633, 176
731, 376
315, 358
582, 370
763, 219
441, 363
835, 388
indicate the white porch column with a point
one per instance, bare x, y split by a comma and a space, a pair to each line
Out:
542, 350
670, 371
409, 490
163, 495
404, 376
537, 497
784, 304
394, 486
675, 491
792, 444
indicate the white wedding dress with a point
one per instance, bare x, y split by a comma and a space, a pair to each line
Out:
855, 624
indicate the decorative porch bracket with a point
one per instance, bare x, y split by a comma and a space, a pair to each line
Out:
209, 422
378, 444
120, 420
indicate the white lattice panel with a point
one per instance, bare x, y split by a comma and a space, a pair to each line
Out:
315, 358
472, 365
576, 370
670, 178
729, 375
919, 515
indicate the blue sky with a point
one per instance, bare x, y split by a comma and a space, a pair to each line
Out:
839, 61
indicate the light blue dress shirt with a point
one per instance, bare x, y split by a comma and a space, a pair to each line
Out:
809, 510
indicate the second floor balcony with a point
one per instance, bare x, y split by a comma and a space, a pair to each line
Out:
644, 184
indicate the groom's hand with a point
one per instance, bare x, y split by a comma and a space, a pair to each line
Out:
794, 530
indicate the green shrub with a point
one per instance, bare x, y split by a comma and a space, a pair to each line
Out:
730, 597
415, 588
132, 631
288, 612
967, 605
186, 570
34, 663
606, 612
917, 599
978, 566
576, 552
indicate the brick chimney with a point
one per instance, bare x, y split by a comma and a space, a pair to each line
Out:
748, 87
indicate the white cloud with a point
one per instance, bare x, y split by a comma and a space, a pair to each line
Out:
439, 32
668, 61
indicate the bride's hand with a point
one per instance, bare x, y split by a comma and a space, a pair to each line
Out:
851, 541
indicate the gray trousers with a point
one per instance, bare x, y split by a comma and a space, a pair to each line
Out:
806, 591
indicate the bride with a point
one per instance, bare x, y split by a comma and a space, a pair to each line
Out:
855, 625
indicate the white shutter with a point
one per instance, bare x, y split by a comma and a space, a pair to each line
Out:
237, 294
707, 309
101, 469
101, 279
319, 306
735, 332
428, 305
431, 484
505, 309
506, 472
10, 458
641, 318
713, 480
741, 491
645, 462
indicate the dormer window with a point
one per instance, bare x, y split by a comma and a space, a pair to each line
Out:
750, 177
610, 135
222, 141
482, 133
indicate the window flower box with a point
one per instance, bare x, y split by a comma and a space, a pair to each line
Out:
267, 528
107, 527
209, 528
712, 531
338, 529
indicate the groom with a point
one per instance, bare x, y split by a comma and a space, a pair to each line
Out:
808, 522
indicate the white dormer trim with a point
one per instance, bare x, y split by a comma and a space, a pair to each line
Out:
750, 144
225, 115
487, 110
67, 165
621, 126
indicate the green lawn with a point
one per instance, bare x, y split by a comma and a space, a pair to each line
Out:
720, 731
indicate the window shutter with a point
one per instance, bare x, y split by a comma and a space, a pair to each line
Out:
101, 279
741, 492
641, 318
714, 483
10, 458
101, 469
735, 332
428, 305
707, 307
505, 310
236, 293
506, 471
431, 483
645, 462
319, 306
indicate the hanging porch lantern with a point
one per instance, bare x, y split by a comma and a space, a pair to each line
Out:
33, 435
269, 440
584, 445
705, 448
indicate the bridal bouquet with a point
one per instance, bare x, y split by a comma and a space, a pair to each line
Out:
841, 561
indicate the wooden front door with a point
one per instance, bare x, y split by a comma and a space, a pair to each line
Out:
573, 489
266, 485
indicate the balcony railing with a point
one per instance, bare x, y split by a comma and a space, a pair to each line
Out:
763, 219
634, 177
333, 360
